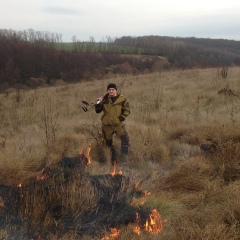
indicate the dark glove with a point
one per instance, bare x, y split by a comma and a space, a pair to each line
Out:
98, 108
121, 118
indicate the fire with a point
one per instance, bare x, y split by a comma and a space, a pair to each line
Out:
19, 185
80, 152
88, 154
154, 223
137, 217
136, 185
114, 171
114, 234
141, 200
137, 229
42, 175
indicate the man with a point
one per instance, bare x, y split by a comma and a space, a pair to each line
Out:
115, 108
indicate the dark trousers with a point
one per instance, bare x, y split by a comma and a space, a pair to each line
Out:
120, 131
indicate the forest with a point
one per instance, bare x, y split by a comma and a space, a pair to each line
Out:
31, 58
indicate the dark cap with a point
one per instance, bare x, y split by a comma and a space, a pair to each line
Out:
111, 85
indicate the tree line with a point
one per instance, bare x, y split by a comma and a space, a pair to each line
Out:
180, 52
186, 52
32, 54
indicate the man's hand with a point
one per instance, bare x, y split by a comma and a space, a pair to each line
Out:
99, 100
121, 118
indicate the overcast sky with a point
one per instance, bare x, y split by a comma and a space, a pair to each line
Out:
116, 18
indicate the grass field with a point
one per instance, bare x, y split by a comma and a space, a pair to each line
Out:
184, 135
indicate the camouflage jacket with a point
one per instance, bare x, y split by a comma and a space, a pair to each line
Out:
113, 112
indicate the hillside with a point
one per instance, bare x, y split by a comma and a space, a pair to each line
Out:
180, 180
31, 59
186, 52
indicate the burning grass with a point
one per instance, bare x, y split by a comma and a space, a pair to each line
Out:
47, 206
180, 181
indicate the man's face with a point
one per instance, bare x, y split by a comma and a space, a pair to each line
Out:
112, 92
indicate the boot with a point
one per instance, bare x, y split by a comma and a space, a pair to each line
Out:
124, 149
124, 152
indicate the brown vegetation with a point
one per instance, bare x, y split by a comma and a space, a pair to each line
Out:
184, 150
30, 59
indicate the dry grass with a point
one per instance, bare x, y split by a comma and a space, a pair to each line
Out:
173, 116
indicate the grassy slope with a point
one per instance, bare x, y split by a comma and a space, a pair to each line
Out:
172, 115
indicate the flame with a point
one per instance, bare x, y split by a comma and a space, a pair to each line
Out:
137, 229
114, 234
154, 223
80, 152
113, 172
88, 154
143, 199
19, 185
42, 175
137, 217
136, 185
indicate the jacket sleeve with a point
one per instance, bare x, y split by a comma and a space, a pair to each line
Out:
125, 110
